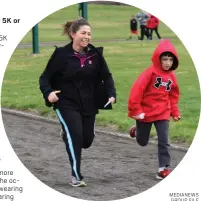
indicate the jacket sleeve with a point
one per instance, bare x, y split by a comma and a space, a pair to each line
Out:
138, 16
174, 99
51, 68
156, 22
106, 76
146, 17
137, 92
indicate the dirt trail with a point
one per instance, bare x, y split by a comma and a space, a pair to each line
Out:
114, 167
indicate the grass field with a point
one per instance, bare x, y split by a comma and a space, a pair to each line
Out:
107, 22
126, 61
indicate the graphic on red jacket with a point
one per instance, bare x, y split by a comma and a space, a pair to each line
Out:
156, 92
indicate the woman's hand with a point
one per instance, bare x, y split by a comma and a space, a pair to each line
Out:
111, 100
52, 98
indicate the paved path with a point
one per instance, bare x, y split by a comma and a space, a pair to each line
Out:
114, 167
62, 43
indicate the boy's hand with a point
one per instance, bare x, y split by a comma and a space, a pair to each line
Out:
139, 116
176, 118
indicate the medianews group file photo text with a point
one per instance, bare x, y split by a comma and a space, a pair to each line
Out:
184, 196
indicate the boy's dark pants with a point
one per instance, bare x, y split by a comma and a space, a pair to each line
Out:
79, 133
156, 31
162, 127
143, 31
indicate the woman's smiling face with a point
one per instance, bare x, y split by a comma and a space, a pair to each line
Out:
82, 37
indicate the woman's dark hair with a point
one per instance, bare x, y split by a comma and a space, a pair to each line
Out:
74, 26
175, 60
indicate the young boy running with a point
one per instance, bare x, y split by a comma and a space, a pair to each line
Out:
153, 100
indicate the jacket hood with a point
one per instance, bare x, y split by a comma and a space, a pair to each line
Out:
164, 46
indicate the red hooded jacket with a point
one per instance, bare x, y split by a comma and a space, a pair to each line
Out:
153, 22
156, 92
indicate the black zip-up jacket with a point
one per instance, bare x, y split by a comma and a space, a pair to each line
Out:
85, 86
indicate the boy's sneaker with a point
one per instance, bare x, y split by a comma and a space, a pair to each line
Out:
76, 183
162, 174
133, 131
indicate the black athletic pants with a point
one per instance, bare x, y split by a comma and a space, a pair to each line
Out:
143, 31
79, 133
156, 31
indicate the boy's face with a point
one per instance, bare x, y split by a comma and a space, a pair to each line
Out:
166, 62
